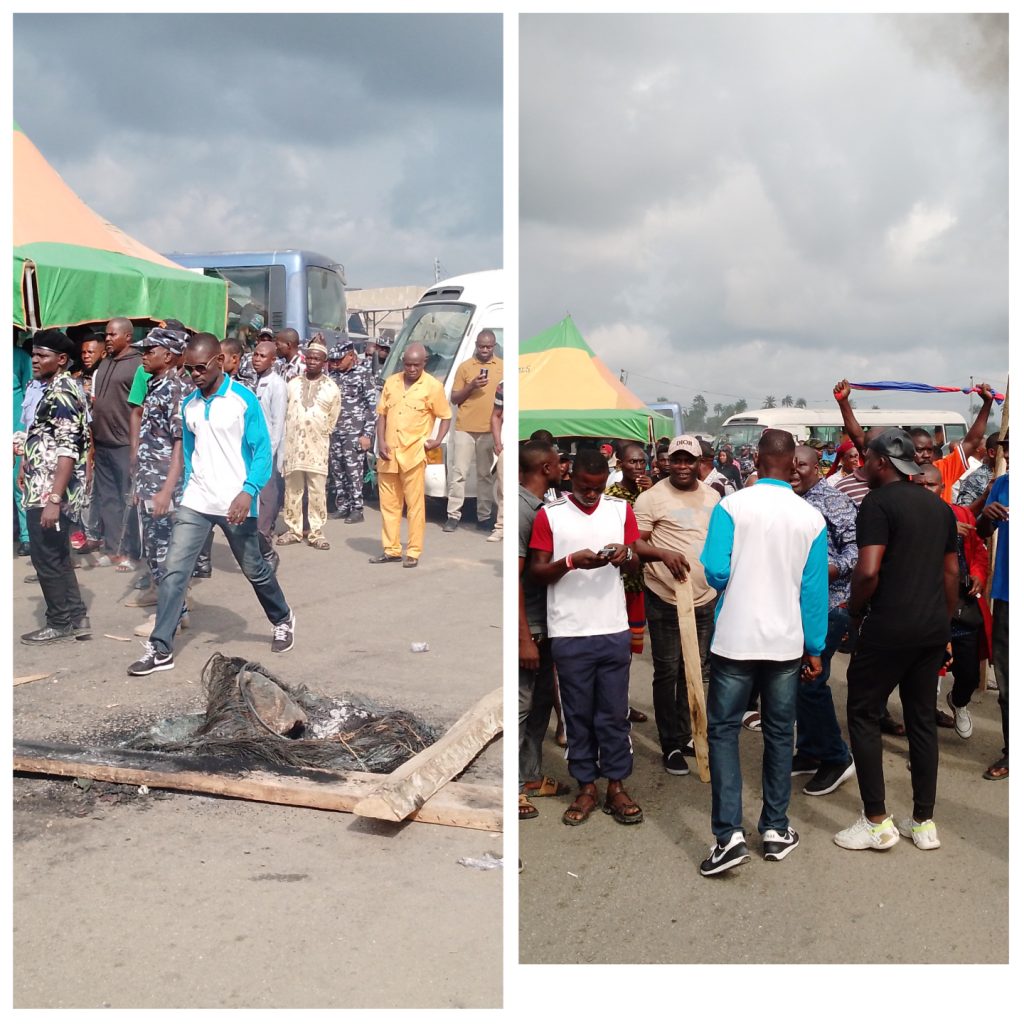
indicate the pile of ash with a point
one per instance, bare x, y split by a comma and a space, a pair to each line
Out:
254, 718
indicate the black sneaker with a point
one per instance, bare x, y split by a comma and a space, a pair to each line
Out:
777, 845
48, 635
355, 517
152, 661
23, 550
722, 858
451, 526
829, 777
82, 628
337, 515
675, 763
284, 636
804, 765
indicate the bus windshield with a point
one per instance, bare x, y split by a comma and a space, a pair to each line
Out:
248, 295
738, 434
325, 299
439, 328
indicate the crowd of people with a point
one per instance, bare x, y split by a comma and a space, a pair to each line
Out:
790, 552
130, 450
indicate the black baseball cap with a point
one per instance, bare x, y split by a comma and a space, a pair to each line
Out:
898, 447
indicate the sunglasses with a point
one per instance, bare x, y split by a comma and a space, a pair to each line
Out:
191, 368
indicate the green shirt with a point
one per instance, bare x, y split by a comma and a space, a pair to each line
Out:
137, 394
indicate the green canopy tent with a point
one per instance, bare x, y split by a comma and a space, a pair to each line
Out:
565, 388
73, 267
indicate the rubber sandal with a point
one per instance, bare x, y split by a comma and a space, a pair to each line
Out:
998, 771
621, 806
545, 786
752, 720
288, 538
636, 716
526, 809
320, 544
582, 807
103, 561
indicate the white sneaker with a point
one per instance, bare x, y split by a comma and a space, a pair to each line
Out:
961, 719
867, 835
924, 833
496, 535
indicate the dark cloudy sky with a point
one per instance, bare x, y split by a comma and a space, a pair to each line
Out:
751, 205
374, 139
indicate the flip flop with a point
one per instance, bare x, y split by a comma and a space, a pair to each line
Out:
998, 771
636, 716
126, 565
752, 720
545, 786
890, 727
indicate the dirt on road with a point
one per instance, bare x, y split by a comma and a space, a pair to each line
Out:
124, 899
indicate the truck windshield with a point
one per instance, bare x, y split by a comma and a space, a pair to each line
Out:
248, 295
439, 328
325, 297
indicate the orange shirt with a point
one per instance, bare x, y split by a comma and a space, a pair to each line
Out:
410, 416
952, 467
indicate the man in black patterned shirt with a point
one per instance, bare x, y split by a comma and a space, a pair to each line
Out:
54, 487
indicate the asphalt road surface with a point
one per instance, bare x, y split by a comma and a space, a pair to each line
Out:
607, 893
178, 900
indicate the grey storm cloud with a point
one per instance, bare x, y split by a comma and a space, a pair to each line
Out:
376, 139
750, 205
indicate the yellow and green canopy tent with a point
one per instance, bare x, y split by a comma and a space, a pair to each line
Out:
565, 388
73, 267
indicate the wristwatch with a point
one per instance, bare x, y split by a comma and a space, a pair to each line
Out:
54, 498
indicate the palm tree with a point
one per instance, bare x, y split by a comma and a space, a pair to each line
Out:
787, 402
801, 403
769, 402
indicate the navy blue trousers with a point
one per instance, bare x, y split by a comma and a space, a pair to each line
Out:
593, 679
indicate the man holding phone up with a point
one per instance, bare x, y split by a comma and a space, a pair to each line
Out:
580, 546
476, 381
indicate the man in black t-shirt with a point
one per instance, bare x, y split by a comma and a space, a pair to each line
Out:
902, 598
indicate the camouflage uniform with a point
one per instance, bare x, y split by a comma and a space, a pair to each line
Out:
358, 417
158, 432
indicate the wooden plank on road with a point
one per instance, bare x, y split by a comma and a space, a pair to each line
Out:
409, 786
457, 804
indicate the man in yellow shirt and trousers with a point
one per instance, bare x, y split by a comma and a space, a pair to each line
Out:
476, 381
409, 404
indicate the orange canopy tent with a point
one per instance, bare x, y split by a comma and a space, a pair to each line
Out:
71, 266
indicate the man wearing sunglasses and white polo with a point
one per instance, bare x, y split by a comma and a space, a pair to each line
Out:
228, 460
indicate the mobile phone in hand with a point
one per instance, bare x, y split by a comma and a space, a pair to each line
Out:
484, 372
607, 551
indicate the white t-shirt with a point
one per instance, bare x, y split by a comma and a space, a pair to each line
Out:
585, 602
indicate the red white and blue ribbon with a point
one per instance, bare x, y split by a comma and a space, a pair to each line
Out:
907, 385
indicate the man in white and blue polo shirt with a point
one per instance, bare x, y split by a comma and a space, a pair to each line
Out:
227, 455
766, 554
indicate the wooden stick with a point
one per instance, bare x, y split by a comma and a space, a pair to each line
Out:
18, 680
416, 781
457, 804
694, 676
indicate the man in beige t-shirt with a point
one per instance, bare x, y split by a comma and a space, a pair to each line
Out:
672, 517
476, 381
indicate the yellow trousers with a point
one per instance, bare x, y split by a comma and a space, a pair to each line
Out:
295, 485
404, 487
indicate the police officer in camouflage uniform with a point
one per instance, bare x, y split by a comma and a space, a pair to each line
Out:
352, 437
158, 481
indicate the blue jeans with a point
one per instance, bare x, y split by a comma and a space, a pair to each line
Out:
817, 728
191, 530
728, 694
